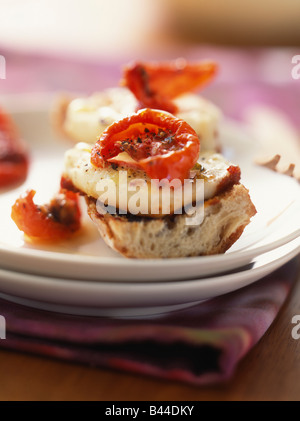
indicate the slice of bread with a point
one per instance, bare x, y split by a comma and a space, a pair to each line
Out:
225, 217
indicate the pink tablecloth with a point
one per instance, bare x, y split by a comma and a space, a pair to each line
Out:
247, 77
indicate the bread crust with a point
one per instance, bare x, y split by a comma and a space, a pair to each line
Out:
225, 218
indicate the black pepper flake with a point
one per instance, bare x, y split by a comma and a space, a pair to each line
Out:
114, 166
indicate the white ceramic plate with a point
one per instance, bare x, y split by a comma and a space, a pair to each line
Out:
124, 299
276, 198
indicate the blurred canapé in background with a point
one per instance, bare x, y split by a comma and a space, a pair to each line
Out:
144, 27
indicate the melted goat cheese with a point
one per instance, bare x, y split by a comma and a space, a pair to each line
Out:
120, 184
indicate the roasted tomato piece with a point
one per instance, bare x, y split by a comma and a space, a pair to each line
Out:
13, 154
156, 84
57, 220
158, 143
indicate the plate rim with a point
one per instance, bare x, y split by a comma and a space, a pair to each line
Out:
141, 262
245, 277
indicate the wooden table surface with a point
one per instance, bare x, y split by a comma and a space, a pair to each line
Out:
271, 371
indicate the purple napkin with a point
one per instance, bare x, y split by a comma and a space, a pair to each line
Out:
199, 345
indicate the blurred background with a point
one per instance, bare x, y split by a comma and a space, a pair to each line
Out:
81, 45
266, 22
86, 27
123, 27
108, 28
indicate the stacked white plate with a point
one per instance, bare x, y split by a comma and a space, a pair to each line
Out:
85, 277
